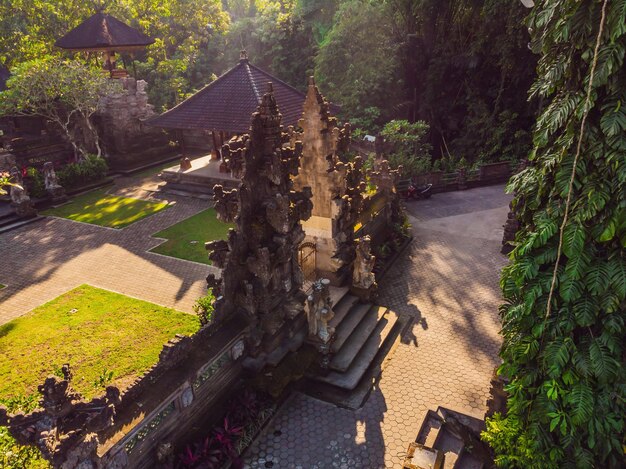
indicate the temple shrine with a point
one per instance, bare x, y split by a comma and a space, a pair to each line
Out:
103, 34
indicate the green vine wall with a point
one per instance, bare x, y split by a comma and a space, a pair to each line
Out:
566, 364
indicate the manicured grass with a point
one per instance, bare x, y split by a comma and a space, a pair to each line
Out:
91, 329
185, 240
99, 208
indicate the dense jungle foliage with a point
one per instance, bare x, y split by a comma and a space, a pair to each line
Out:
462, 66
567, 364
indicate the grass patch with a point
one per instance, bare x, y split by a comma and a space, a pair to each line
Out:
99, 208
98, 332
92, 329
185, 240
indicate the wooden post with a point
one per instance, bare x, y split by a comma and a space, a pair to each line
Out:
216, 147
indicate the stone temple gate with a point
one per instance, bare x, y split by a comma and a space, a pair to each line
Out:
336, 185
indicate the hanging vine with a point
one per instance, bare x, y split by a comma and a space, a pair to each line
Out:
563, 321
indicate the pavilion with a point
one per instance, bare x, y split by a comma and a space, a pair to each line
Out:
102, 33
224, 106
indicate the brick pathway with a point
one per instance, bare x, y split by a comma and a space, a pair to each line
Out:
447, 284
46, 259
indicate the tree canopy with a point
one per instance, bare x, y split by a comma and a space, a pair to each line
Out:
462, 66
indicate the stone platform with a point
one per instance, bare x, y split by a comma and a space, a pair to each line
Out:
200, 178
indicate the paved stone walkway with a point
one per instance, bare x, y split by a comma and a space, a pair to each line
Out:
46, 259
447, 284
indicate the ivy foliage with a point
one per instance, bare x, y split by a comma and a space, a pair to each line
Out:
567, 389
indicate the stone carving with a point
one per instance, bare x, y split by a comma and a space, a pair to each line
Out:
126, 139
225, 204
261, 278
20, 200
51, 182
337, 186
57, 428
363, 275
320, 311
386, 179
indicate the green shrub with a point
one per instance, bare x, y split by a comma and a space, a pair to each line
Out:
37, 186
408, 146
91, 169
203, 307
12, 454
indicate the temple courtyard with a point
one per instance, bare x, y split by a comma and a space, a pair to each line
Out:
445, 285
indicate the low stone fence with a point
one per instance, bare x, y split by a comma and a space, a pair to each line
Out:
180, 396
485, 175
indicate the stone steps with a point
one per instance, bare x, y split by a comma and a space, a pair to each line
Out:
344, 358
341, 308
439, 432
349, 379
349, 323
11, 222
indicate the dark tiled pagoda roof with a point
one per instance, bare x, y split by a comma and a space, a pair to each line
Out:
102, 31
228, 102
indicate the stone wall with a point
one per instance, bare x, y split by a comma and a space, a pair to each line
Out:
190, 382
196, 400
127, 142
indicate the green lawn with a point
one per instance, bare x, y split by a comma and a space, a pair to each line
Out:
99, 208
91, 329
185, 240
98, 332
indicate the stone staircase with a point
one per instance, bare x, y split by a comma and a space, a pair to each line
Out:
452, 436
10, 221
364, 335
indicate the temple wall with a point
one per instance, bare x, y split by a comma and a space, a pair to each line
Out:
126, 140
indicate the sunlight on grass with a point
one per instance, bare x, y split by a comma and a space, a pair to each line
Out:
94, 331
100, 208
185, 240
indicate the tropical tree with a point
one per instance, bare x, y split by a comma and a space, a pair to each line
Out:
65, 92
357, 64
564, 318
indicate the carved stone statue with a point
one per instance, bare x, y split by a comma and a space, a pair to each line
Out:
320, 311
363, 276
19, 195
51, 183
225, 203
65, 427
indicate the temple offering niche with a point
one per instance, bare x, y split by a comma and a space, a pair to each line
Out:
261, 277
337, 185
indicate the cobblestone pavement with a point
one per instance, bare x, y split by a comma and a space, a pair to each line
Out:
447, 286
45, 259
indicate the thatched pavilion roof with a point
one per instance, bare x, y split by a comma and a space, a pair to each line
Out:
103, 32
227, 103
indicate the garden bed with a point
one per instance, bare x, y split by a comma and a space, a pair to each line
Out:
185, 240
